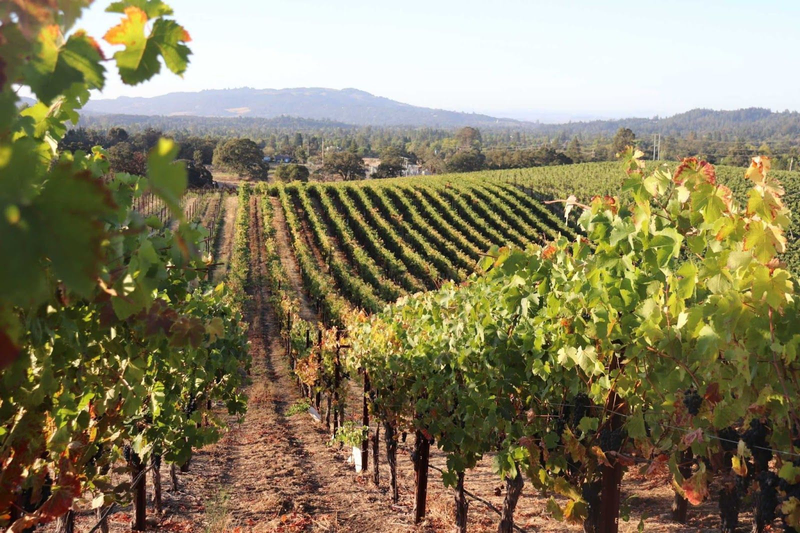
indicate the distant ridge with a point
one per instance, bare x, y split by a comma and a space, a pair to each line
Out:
349, 106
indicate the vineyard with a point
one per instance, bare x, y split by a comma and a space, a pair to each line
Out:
595, 348
454, 360
377, 242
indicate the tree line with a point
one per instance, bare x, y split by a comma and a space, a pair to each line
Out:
337, 152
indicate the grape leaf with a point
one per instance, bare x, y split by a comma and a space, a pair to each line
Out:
54, 67
138, 61
153, 8
168, 179
169, 37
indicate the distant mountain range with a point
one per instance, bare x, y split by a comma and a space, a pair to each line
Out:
256, 111
349, 106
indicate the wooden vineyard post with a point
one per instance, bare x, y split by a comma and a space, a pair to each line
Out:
422, 448
139, 486
365, 423
289, 335
173, 475
319, 366
156, 462
65, 523
328, 412
610, 496
102, 522
391, 458
376, 472
462, 506
336, 381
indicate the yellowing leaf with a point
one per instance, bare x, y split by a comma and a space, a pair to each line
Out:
757, 172
739, 466
215, 328
138, 61
791, 512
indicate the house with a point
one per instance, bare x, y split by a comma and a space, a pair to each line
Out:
278, 159
371, 164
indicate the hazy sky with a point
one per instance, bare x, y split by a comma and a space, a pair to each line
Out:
512, 57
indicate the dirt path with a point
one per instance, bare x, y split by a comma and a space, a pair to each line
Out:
275, 472
289, 261
222, 252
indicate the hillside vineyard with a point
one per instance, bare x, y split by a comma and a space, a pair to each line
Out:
377, 241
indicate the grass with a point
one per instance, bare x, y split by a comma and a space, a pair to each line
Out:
217, 513
300, 406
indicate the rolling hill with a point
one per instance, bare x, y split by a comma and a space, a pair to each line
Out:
350, 106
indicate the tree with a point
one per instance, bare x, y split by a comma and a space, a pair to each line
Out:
623, 138
391, 165
242, 156
574, 150
291, 172
300, 154
123, 157
738, 155
191, 145
469, 138
346, 164
390, 168
116, 135
197, 158
81, 139
148, 139
198, 175
466, 161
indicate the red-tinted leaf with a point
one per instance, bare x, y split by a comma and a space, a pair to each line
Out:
8, 350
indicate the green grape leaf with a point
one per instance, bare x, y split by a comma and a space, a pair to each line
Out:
666, 244
69, 211
764, 240
138, 61
635, 426
169, 37
54, 67
153, 8
167, 178
772, 287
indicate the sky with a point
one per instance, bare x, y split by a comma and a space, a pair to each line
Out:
524, 59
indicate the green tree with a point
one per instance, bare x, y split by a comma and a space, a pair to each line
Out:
738, 155
623, 138
347, 165
574, 150
291, 172
242, 156
197, 158
465, 161
391, 165
116, 135
123, 157
300, 154
469, 138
